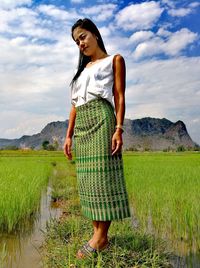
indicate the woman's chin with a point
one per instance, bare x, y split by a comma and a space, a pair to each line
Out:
86, 52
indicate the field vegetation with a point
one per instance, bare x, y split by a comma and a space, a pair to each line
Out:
164, 194
23, 175
129, 247
163, 190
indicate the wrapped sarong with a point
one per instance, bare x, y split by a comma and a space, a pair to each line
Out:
100, 176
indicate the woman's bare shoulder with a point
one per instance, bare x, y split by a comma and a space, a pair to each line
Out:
118, 55
118, 60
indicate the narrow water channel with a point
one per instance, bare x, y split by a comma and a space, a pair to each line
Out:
24, 250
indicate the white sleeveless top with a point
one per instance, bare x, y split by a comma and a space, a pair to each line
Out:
95, 81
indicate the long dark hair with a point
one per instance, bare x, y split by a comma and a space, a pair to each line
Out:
88, 25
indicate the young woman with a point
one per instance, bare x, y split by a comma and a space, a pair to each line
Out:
97, 126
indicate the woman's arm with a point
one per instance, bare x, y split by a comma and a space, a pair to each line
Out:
70, 131
119, 70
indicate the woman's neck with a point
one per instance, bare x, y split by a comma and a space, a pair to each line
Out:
98, 55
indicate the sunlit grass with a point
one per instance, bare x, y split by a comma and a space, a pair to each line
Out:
128, 247
164, 193
21, 182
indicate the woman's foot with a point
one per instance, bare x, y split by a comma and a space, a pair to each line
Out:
98, 243
92, 247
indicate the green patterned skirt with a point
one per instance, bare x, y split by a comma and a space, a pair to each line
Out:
100, 176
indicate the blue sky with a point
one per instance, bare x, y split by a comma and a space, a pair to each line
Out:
160, 41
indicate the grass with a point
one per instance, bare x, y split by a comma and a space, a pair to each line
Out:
129, 247
164, 193
21, 182
164, 196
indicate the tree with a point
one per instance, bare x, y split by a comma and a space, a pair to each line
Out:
45, 145
180, 148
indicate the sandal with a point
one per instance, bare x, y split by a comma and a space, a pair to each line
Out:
90, 252
87, 251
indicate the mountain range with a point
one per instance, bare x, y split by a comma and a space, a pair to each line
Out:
139, 134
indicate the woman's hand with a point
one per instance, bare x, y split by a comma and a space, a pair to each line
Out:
70, 130
117, 141
67, 148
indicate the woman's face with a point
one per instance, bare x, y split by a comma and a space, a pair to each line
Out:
86, 41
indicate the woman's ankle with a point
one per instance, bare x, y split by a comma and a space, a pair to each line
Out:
100, 239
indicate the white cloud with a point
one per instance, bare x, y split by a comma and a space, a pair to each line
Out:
178, 41
8, 4
149, 48
142, 44
163, 32
180, 12
140, 36
31, 68
29, 22
23, 21
139, 16
57, 13
172, 46
105, 31
114, 43
100, 12
11, 19
194, 4
183, 11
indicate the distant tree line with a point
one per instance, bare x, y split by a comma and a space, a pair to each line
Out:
46, 145
180, 148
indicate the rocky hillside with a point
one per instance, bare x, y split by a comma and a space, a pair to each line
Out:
156, 134
140, 134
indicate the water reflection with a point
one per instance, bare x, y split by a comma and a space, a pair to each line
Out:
22, 248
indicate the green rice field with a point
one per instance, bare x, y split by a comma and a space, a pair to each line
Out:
22, 177
163, 192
